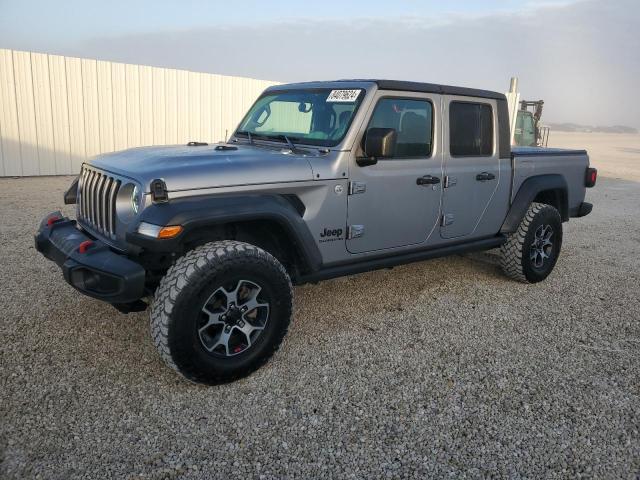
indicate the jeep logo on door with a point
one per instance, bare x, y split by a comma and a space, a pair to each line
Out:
331, 235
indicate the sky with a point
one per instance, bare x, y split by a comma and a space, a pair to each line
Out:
581, 56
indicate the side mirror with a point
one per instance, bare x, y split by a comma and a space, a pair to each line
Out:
71, 195
378, 143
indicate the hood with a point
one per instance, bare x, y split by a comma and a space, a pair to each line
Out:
187, 168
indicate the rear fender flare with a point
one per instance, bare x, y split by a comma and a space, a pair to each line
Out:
528, 191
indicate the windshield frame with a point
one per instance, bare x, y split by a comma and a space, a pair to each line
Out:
239, 133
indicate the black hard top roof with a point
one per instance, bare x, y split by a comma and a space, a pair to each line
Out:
398, 85
436, 88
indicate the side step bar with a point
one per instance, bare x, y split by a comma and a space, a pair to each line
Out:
392, 261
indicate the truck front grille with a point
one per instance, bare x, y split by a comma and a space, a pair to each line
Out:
97, 195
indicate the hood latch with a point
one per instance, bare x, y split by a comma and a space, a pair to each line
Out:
159, 192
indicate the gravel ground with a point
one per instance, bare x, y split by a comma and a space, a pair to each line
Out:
443, 368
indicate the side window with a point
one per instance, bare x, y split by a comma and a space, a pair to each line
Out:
412, 120
470, 129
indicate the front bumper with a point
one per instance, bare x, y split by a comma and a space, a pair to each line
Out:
99, 272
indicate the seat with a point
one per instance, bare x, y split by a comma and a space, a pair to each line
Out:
341, 125
413, 136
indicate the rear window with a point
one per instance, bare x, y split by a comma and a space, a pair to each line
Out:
470, 129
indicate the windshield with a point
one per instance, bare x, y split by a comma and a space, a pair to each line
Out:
315, 117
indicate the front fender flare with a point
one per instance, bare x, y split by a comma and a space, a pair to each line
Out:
528, 191
203, 211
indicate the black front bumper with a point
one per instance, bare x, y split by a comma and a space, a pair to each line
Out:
99, 272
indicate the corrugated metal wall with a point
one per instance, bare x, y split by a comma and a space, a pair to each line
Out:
57, 111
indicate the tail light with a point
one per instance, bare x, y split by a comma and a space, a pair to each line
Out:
591, 177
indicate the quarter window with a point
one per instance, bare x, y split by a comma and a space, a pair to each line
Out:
412, 120
470, 129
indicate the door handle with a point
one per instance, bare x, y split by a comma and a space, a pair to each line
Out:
427, 180
484, 176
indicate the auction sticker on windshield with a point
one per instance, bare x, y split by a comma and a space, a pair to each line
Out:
343, 95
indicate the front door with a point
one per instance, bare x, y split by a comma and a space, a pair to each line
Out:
396, 202
471, 165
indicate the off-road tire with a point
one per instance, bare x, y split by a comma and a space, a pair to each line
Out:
184, 290
514, 253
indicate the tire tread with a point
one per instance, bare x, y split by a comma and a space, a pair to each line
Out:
179, 277
511, 251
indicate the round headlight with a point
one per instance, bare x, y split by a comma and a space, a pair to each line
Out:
135, 199
128, 202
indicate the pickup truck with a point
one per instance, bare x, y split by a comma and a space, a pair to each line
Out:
319, 180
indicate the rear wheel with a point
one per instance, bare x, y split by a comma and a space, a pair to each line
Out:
531, 252
221, 311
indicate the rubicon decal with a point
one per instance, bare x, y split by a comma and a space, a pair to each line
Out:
331, 235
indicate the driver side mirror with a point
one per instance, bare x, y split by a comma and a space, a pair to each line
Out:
378, 143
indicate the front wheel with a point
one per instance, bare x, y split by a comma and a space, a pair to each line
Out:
531, 252
221, 311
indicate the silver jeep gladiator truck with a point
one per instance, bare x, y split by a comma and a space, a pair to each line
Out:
319, 180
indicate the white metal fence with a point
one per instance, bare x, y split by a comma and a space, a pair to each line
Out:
57, 111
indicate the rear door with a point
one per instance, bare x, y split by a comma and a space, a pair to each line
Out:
390, 204
471, 164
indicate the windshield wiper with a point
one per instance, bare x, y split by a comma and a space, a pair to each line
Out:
286, 139
247, 133
289, 142
281, 137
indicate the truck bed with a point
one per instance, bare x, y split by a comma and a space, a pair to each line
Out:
570, 164
544, 151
